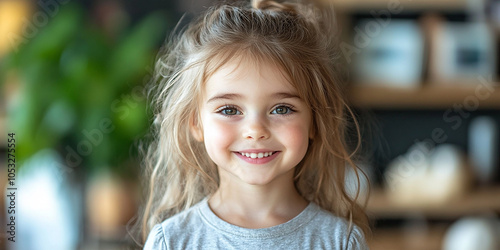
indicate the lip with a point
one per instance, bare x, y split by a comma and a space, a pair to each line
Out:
257, 160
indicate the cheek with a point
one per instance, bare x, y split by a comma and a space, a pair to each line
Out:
295, 136
217, 134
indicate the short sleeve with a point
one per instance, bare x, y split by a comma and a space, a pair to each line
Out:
156, 239
356, 240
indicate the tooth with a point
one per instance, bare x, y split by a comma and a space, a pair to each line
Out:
266, 154
260, 155
253, 155
270, 153
247, 154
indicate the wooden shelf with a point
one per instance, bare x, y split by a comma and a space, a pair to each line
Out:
427, 97
445, 5
480, 201
417, 237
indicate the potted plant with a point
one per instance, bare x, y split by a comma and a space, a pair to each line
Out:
79, 91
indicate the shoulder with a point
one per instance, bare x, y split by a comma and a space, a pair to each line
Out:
174, 227
156, 239
338, 230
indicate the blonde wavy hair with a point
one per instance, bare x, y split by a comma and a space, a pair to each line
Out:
298, 37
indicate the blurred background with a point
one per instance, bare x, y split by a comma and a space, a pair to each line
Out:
423, 82
423, 79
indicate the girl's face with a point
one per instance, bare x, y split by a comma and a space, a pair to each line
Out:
254, 125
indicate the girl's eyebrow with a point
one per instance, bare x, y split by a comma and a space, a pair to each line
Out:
285, 95
230, 96
224, 96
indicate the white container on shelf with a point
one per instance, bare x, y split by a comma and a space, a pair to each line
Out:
483, 148
472, 233
426, 177
461, 52
391, 53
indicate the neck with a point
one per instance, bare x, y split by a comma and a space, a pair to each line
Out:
257, 206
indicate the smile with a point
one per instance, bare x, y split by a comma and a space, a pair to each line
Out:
256, 155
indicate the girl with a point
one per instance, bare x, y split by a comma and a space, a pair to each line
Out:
250, 152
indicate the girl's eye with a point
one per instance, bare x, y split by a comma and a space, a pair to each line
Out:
229, 111
282, 110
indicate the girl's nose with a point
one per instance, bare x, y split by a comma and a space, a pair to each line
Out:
256, 130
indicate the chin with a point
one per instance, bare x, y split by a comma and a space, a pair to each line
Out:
260, 180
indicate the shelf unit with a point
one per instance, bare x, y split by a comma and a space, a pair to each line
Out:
483, 201
479, 201
430, 96
351, 5
393, 222
396, 239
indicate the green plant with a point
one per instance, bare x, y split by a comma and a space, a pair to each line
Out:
72, 79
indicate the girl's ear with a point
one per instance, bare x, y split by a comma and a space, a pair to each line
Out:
195, 128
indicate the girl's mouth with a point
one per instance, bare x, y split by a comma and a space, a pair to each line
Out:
258, 158
257, 155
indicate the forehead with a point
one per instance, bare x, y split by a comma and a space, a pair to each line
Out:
248, 72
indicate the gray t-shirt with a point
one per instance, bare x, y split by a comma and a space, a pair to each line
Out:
199, 228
